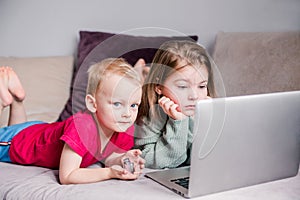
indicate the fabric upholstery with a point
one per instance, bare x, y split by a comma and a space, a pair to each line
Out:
253, 63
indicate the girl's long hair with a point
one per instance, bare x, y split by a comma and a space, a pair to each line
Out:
165, 62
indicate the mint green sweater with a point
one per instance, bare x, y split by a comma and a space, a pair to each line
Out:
164, 143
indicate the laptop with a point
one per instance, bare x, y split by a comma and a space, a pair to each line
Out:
238, 142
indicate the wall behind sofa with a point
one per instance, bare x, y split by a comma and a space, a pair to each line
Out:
50, 28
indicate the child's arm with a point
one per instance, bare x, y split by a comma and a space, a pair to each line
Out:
164, 144
71, 173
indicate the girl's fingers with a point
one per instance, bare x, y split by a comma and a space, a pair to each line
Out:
165, 103
169, 104
162, 100
173, 109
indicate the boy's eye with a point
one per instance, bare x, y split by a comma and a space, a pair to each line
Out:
117, 104
135, 105
182, 86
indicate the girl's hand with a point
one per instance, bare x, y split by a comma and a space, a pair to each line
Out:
134, 157
170, 108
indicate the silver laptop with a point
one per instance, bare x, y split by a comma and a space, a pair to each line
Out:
238, 142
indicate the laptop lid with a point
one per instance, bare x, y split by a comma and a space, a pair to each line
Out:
238, 142
245, 140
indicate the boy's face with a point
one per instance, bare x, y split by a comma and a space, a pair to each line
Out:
117, 103
185, 87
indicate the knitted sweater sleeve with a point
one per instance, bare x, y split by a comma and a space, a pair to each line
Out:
165, 146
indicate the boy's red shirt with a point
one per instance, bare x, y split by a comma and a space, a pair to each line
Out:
42, 144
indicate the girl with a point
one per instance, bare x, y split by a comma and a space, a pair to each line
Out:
103, 132
180, 75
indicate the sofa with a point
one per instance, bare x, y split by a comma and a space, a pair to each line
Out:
247, 63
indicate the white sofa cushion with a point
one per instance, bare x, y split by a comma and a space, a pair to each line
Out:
46, 81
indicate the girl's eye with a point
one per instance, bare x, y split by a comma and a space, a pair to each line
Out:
117, 104
202, 86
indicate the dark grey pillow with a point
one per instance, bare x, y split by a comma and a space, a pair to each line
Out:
96, 46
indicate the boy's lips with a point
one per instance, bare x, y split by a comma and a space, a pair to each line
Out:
125, 122
123, 125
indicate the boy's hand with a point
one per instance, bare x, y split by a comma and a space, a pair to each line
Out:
116, 171
134, 157
171, 108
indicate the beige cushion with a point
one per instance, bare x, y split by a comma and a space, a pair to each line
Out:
46, 81
252, 63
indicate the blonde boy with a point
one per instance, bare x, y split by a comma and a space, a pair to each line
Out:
103, 132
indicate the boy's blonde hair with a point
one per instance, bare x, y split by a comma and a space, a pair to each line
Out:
166, 61
98, 72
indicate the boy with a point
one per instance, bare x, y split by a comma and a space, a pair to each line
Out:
103, 132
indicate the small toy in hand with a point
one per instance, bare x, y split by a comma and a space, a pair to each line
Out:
129, 166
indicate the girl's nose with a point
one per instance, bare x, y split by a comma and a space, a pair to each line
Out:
193, 95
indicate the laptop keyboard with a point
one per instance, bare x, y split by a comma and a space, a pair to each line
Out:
184, 182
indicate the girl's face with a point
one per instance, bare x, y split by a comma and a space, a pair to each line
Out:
186, 86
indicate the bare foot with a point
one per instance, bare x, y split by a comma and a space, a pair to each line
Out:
141, 68
14, 85
5, 97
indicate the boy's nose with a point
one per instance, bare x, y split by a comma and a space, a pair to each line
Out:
126, 113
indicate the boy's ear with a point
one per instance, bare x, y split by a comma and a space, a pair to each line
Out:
90, 103
158, 89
